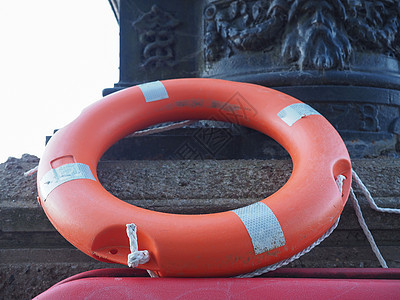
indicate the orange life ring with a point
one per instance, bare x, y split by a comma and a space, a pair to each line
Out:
220, 244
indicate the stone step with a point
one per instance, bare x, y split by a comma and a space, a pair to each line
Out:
200, 179
33, 219
36, 270
27, 280
39, 241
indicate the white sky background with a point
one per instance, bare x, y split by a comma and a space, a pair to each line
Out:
56, 57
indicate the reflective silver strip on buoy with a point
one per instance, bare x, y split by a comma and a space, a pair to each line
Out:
292, 113
60, 175
263, 227
153, 91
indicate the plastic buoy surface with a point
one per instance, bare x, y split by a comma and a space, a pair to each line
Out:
220, 244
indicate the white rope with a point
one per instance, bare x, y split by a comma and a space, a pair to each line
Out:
137, 134
152, 274
31, 171
370, 200
290, 259
161, 129
339, 181
365, 228
136, 257
361, 219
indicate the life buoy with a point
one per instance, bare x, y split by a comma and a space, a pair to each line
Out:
219, 244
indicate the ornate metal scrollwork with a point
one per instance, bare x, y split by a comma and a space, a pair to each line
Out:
157, 37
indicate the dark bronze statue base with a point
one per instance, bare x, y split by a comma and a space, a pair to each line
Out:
340, 56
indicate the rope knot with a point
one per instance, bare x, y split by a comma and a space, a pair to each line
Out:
136, 257
339, 181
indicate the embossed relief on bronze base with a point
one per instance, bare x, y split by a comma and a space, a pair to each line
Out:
341, 56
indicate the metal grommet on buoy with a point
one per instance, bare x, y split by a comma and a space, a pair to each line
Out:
220, 244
